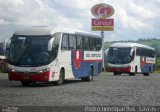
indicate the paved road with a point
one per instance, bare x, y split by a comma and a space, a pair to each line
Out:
106, 89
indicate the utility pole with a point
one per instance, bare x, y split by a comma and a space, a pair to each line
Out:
100, 23
102, 36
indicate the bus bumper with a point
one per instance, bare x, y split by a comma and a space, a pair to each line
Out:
30, 77
119, 69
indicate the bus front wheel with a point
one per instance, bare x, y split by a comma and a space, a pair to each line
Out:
146, 74
61, 78
90, 77
24, 83
116, 73
133, 73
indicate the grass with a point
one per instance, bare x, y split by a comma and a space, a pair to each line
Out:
157, 71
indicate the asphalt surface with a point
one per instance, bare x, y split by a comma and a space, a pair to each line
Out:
106, 89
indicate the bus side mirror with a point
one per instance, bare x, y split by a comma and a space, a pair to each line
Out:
6, 44
131, 52
106, 52
50, 43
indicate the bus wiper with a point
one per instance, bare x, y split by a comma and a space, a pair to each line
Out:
116, 57
35, 63
24, 53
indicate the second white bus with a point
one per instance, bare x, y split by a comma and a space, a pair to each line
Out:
42, 54
131, 58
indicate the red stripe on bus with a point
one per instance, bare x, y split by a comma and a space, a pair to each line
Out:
92, 60
39, 77
123, 70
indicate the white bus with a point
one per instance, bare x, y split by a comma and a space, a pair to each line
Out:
42, 54
131, 58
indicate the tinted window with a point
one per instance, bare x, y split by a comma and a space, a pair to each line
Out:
93, 44
145, 52
98, 44
79, 42
72, 42
65, 42
86, 43
29, 50
119, 55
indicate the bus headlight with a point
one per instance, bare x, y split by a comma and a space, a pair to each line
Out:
44, 70
12, 70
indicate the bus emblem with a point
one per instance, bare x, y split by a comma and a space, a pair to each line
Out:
77, 58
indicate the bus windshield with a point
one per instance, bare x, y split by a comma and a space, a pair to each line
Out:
119, 55
29, 50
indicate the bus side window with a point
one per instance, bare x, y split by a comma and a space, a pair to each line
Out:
146, 52
72, 42
64, 42
153, 54
137, 51
98, 44
93, 44
79, 42
149, 53
86, 43
142, 51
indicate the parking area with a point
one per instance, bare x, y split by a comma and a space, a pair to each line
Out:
106, 89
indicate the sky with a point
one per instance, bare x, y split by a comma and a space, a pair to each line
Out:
133, 19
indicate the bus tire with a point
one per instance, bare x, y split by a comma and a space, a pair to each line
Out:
133, 73
24, 83
83, 78
61, 78
146, 74
116, 73
90, 77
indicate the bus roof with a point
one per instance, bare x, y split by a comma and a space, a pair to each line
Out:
130, 44
51, 31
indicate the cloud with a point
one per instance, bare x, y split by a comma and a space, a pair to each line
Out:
3, 22
21, 13
111, 37
29, 12
128, 21
131, 17
14, 2
144, 10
